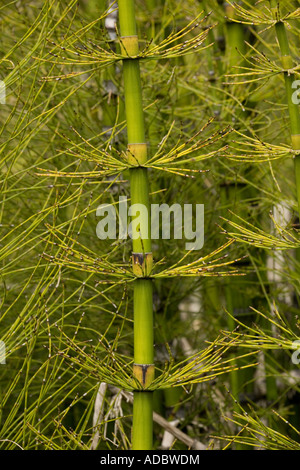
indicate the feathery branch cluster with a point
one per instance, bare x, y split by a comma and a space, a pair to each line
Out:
85, 53
113, 162
252, 15
253, 150
255, 236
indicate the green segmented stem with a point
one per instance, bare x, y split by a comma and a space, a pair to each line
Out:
289, 78
142, 429
143, 350
235, 46
139, 185
133, 100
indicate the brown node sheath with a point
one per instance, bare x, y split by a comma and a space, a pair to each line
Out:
129, 46
137, 154
142, 264
144, 373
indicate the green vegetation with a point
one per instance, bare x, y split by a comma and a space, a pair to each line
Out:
120, 343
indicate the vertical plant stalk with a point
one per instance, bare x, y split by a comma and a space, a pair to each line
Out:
235, 45
294, 115
236, 42
287, 63
143, 369
289, 78
109, 118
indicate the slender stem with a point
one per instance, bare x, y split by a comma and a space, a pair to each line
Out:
139, 186
143, 368
143, 324
235, 46
289, 78
133, 100
142, 428
127, 18
294, 115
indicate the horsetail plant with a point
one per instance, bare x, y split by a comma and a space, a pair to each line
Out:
142, 273
289, 78
142, 257
74, 317
271, 15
